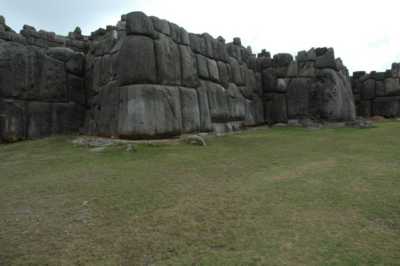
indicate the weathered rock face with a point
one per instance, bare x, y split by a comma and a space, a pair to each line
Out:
377, 93
41, 88
162, 81
149, 78
315, 85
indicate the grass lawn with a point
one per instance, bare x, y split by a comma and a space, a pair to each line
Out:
282, 196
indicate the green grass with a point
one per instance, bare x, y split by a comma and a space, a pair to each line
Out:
281, 196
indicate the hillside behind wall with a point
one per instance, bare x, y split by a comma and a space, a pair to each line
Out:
378, 93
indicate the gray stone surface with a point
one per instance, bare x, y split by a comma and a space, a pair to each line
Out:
275, 107
202, 67
141, 66
190, 110
392, 86
298, 97
105, 112
76, 64
139, 23
236, 103
336, 95
161, 25
149, 78
149, 111
53, 81
66, 118
282, 60
368, 92
388, 107
189, 67
12, 120
224, 73
217, 100
213, 70
236, 72
205, 115
168, 61
325, 58
364, 109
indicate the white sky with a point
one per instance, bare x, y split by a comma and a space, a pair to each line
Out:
365, 34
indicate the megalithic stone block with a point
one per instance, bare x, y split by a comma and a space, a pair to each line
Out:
189, 67
386, 106
12, 120
298, 97
275, 105
137, 23
168, 61
149, 111
39, 118
190, 110
136, 61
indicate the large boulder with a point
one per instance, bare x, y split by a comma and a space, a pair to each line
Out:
21, 70
224, 73
254, 112
298, 97
202, 67
39, 119
161, 25
205, 114
136, 61
67, 118
325, 58
105, 112
53, 85
368, 89
236, 71
336, 97
139, 23
282, 60
236, 103
213, 70
217, 100
61, 53
76, 89
189, 68
392, 86
364, 109
168, 61
12, 120
76, 64
190, 110
149, 111
269, 80
275, 108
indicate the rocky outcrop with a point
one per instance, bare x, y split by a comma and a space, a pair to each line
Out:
314, 85
377, 93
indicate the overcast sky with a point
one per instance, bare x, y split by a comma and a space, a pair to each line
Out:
364, 33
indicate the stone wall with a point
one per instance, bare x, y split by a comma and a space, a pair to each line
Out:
314, 86
377, 93
151, 78
41, 87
